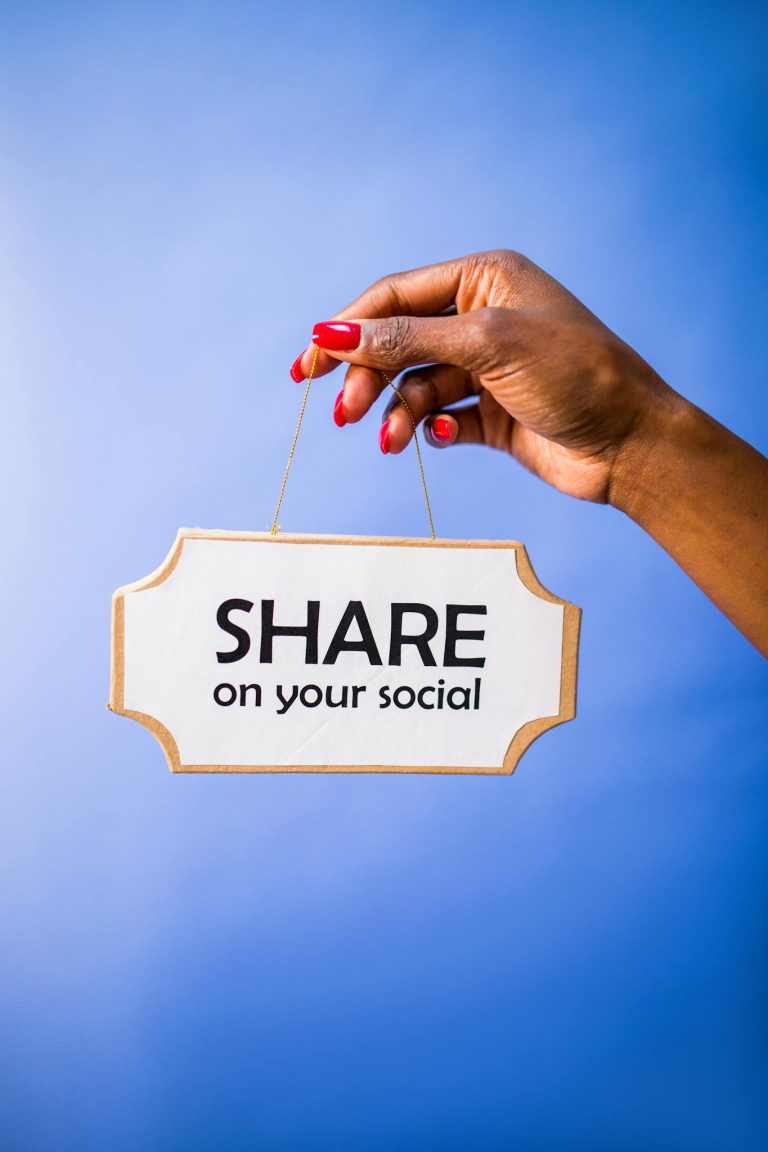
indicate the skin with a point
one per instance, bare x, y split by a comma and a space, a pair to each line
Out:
540, 377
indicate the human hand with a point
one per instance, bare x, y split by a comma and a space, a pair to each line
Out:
567, 398
553, 386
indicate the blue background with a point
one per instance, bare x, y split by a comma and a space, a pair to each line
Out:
571, 958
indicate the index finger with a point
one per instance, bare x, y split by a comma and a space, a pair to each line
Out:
423, 291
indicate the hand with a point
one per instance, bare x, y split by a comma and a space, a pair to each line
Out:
555, 388
567, 398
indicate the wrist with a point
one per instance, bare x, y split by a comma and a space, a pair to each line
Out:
667, 431
700, 492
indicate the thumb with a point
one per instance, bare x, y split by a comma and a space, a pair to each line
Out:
396, 342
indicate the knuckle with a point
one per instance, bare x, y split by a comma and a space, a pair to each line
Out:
509, 260
501, 275
420, 390
391, 336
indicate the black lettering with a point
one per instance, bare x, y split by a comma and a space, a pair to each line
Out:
422, 693
464, 693
454, 634
269, 630
305, 698
384, 696
285, 703
420, 640
240, 634
245, 689
230, 688
398, 695
353, 611
342, 703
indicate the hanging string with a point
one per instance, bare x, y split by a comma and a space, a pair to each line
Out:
404, 403
275, 526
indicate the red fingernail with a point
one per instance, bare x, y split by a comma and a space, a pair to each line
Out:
384, 437
442, 429
336, 336
338, 411
296, 372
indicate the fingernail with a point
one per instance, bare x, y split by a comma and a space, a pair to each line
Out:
441, 430
296, 372
384, 437
338, 411
336, 336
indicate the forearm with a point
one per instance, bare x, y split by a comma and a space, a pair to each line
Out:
702, 494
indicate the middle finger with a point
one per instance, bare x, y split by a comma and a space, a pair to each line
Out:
423, 390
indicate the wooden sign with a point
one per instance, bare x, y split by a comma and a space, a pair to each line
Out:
248, 652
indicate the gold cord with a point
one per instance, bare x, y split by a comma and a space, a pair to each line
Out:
404, 403
275, 526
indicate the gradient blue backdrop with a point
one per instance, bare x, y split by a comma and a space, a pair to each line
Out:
570, 959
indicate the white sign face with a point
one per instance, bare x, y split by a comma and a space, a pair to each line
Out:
259, 653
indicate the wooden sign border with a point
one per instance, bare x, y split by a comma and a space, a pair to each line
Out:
521, 740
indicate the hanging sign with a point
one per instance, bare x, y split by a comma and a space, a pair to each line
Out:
259, 652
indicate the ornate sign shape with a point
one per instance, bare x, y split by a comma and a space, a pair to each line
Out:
248, 652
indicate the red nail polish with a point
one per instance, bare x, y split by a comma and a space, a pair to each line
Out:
336, 336
296, 372
338, 411
384, 437
442, 429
